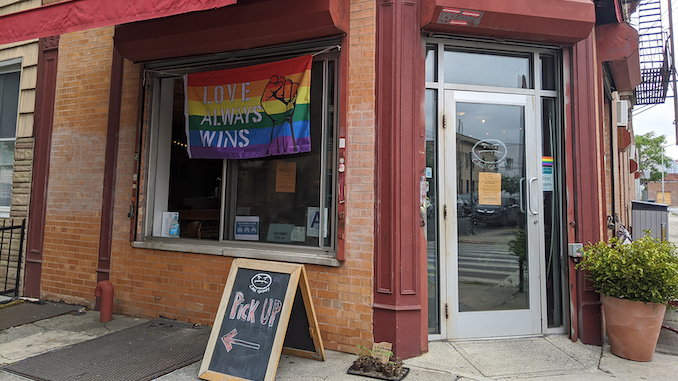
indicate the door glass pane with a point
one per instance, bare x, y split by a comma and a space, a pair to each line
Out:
433, 259
551, 168
492, 244
431, 63
471, 68
548, 72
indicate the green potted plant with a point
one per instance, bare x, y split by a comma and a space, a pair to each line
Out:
637, 281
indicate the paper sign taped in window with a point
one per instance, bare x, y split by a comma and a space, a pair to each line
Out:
489, 188
247, 228
286, 177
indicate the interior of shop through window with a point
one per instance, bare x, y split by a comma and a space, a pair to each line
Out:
293, 193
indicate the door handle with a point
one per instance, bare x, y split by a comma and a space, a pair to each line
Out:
529, 196
522, 203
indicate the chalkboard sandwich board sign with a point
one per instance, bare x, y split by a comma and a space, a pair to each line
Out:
265, 309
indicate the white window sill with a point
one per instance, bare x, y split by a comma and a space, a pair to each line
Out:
281, 253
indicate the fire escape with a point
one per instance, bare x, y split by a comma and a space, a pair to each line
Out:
654, 51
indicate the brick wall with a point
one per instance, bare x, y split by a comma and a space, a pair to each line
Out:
670, 188
74, 198
627, 184
188, 286
610, 194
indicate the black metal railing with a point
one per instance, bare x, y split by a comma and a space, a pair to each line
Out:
12, 234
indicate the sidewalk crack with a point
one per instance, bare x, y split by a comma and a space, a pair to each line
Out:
45, 329
467, 360
600, 361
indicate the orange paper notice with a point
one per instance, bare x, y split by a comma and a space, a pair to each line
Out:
286, 177
489, 188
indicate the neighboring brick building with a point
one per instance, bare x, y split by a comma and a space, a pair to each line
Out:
670, 188
457, 147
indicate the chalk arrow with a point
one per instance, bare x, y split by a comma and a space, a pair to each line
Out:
229, 340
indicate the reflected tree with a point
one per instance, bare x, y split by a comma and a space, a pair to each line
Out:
518, 247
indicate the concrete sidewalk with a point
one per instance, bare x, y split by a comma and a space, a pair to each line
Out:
538, 358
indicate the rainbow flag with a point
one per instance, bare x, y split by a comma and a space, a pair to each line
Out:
547, 161
249, 112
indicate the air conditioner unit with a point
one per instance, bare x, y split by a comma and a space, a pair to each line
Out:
622, 113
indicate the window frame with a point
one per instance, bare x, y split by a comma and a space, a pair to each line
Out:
436, 46
152, 193
13, 65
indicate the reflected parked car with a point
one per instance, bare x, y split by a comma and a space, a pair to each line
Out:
463, 206
506, 214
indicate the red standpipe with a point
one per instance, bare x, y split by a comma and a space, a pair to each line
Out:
104, 290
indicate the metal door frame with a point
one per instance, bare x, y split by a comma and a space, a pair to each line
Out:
452, 328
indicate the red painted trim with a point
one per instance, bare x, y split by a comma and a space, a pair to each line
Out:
392, 307
618, 11
110, 168
569, 117
343, 115
48, 59
400, 251
74, 15
587, 168
386, 236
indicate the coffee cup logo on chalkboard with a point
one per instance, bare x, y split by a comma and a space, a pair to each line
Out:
261, 283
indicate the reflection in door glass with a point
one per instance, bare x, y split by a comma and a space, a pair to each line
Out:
551, 170
492, 244
432, 260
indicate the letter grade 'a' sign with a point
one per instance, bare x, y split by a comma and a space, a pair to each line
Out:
266, 309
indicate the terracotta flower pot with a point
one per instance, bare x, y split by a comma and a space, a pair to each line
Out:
632, 327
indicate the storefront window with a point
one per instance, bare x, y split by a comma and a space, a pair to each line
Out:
9, 105
281, 199
485, 69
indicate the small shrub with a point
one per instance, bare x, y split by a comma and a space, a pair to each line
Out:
645, 270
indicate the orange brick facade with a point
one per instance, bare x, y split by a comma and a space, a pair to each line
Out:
378, 289
76, 176
619, 181
188, 286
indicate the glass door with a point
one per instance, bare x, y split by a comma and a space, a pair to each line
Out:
492, 219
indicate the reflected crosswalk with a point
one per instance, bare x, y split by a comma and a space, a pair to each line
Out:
490, 264
480, 263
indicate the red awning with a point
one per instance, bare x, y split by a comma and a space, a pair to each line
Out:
623, 138
550, 21
633, 166
250, 24
73, 15
618, 45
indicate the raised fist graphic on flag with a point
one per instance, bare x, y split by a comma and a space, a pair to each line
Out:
278, 101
